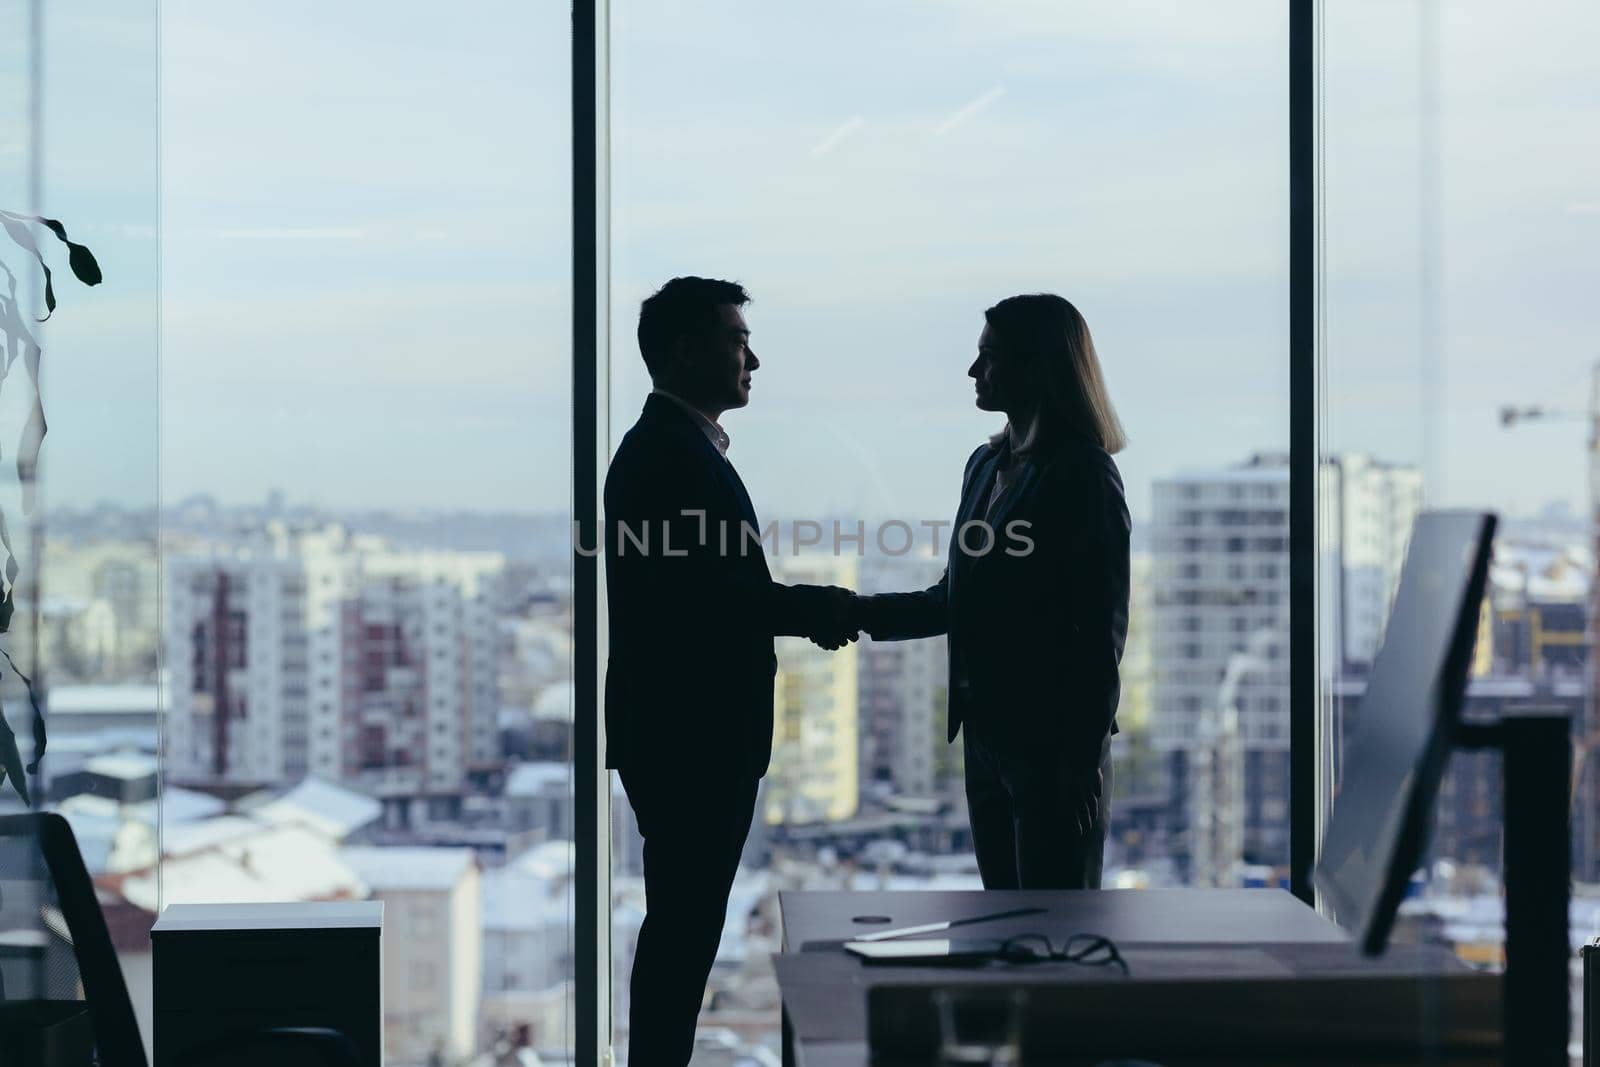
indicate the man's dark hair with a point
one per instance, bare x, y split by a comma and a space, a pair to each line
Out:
683, 307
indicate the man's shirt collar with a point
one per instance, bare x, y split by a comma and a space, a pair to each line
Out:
712, 429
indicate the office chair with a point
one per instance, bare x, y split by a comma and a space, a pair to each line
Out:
57, 966
62, 966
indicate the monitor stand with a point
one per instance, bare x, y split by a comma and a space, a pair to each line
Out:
1535, 743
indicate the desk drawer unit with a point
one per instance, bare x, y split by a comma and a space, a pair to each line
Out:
226, 974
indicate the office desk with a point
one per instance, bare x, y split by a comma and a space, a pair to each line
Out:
1254, 934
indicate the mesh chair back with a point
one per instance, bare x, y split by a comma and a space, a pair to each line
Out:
61, 987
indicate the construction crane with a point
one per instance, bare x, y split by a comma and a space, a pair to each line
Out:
1588, 737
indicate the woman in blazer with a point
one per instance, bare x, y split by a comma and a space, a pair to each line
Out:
1035, 601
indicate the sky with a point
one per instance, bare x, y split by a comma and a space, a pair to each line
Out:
363, 292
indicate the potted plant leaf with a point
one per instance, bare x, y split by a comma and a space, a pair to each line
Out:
21, 344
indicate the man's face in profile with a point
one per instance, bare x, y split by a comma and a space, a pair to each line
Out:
720, 366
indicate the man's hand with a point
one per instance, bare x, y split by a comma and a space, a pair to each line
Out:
839, 624
1083, 790
865, 615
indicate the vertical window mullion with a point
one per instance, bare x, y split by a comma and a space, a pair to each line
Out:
1304, 705
590, 446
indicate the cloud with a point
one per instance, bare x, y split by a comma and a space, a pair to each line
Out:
966, 111
848, 129
289, 233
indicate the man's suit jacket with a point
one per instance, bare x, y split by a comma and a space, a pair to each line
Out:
1035, 637
693, 611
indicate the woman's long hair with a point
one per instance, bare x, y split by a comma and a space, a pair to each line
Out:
1045, 337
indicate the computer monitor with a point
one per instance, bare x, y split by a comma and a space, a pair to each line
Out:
1408, 718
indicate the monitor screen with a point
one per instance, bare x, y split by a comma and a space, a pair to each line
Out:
1378, 831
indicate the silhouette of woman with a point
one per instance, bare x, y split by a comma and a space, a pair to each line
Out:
1035, 601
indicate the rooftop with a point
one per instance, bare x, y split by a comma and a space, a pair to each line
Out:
125, 765
401, 869
549, 860
207, 833
331, 810
515, 900
245, 862
178, 805
103, 699
531, 779
554, 702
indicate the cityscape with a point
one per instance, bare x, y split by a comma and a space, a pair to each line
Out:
378, 705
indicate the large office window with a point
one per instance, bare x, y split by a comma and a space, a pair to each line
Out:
363, 657
878, 175
365, 480
1461, 223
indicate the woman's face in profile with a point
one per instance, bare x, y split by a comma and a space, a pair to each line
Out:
993, 379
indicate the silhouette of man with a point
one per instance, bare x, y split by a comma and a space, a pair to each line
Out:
693, 612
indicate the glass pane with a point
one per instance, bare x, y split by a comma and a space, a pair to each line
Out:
876, 189
78, 503
1460, 372
21, 305
365, 490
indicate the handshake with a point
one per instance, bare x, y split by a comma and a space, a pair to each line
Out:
838, 619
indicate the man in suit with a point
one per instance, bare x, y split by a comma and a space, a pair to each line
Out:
693, 612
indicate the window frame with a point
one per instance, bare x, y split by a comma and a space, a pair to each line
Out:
591, 446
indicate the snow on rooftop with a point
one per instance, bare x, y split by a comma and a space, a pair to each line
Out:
253, 864
97, 742
332, 810
176, 806
88, 805
95, 843
188, 838
532, 779
405, 868
179, 805
549, 860
554, 702
514, 900
111, 837
1539, 572
125, 765
103, 699
94, 822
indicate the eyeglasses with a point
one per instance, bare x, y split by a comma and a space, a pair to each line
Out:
1089, 949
